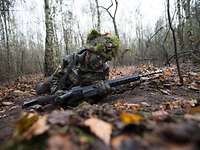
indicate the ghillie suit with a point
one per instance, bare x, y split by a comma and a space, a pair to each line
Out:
85, 67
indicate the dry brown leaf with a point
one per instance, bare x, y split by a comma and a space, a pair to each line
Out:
167, 72
195, 86
60, 117
195, 117
100, 128
7, 103
194, 110
130, 118
193, 74
159, 115
132, 106
193, 102
25, 122
167, 106
117, 141
37, 128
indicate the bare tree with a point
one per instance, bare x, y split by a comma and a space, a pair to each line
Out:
180, 25
112, 16
174, 40
98, 16
197, 11
5, 14
49, 58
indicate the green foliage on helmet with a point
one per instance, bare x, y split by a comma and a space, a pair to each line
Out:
99, 47
104, 44
92, 35
115, 41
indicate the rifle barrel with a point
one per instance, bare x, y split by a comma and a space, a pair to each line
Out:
41, 100
125, 80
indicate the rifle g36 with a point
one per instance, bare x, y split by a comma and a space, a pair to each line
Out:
78, 93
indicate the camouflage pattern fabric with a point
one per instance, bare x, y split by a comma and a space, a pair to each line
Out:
79, 69
85, 67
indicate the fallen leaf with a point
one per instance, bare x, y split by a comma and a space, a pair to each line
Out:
160, 115
37, 128
60, 118
195, 117
145, 104
25, 122
193, 73
167, 92
130, 118
3, 116
59, 142
194, 110
118, 141
193, 102
31, 124
132, 106
7, 103
195, 86
100, 128
2, 111
167, 72
21, 93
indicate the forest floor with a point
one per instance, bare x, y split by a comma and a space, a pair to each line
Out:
156, 114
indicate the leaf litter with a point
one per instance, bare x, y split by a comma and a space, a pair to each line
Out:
157, 114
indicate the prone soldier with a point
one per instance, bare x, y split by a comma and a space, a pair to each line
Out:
88, 66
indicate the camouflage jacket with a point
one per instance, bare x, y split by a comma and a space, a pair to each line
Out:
82, 68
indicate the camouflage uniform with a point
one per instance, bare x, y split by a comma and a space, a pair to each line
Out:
85, 67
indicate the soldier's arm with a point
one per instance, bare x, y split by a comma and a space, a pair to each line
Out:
62, 74
58, 74
106, 70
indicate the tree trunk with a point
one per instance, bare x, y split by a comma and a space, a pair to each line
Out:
98, 16
6, 36
115, 27
180, 26
187, 9
175, 44
49, 58
113, 17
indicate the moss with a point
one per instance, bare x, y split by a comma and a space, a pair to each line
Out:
116, 42
99, 46
92, 35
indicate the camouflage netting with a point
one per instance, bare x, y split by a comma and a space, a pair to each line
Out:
104, 44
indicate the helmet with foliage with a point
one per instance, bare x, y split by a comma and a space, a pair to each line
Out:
103, 44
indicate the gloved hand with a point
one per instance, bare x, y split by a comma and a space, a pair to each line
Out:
59, 92
103, 88
54, 88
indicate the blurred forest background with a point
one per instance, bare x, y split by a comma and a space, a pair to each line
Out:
34, 35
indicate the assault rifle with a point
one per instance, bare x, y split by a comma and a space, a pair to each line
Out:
78, 93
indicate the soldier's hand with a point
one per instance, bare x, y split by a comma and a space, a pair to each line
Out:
103, 87
59, 92
54, 89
